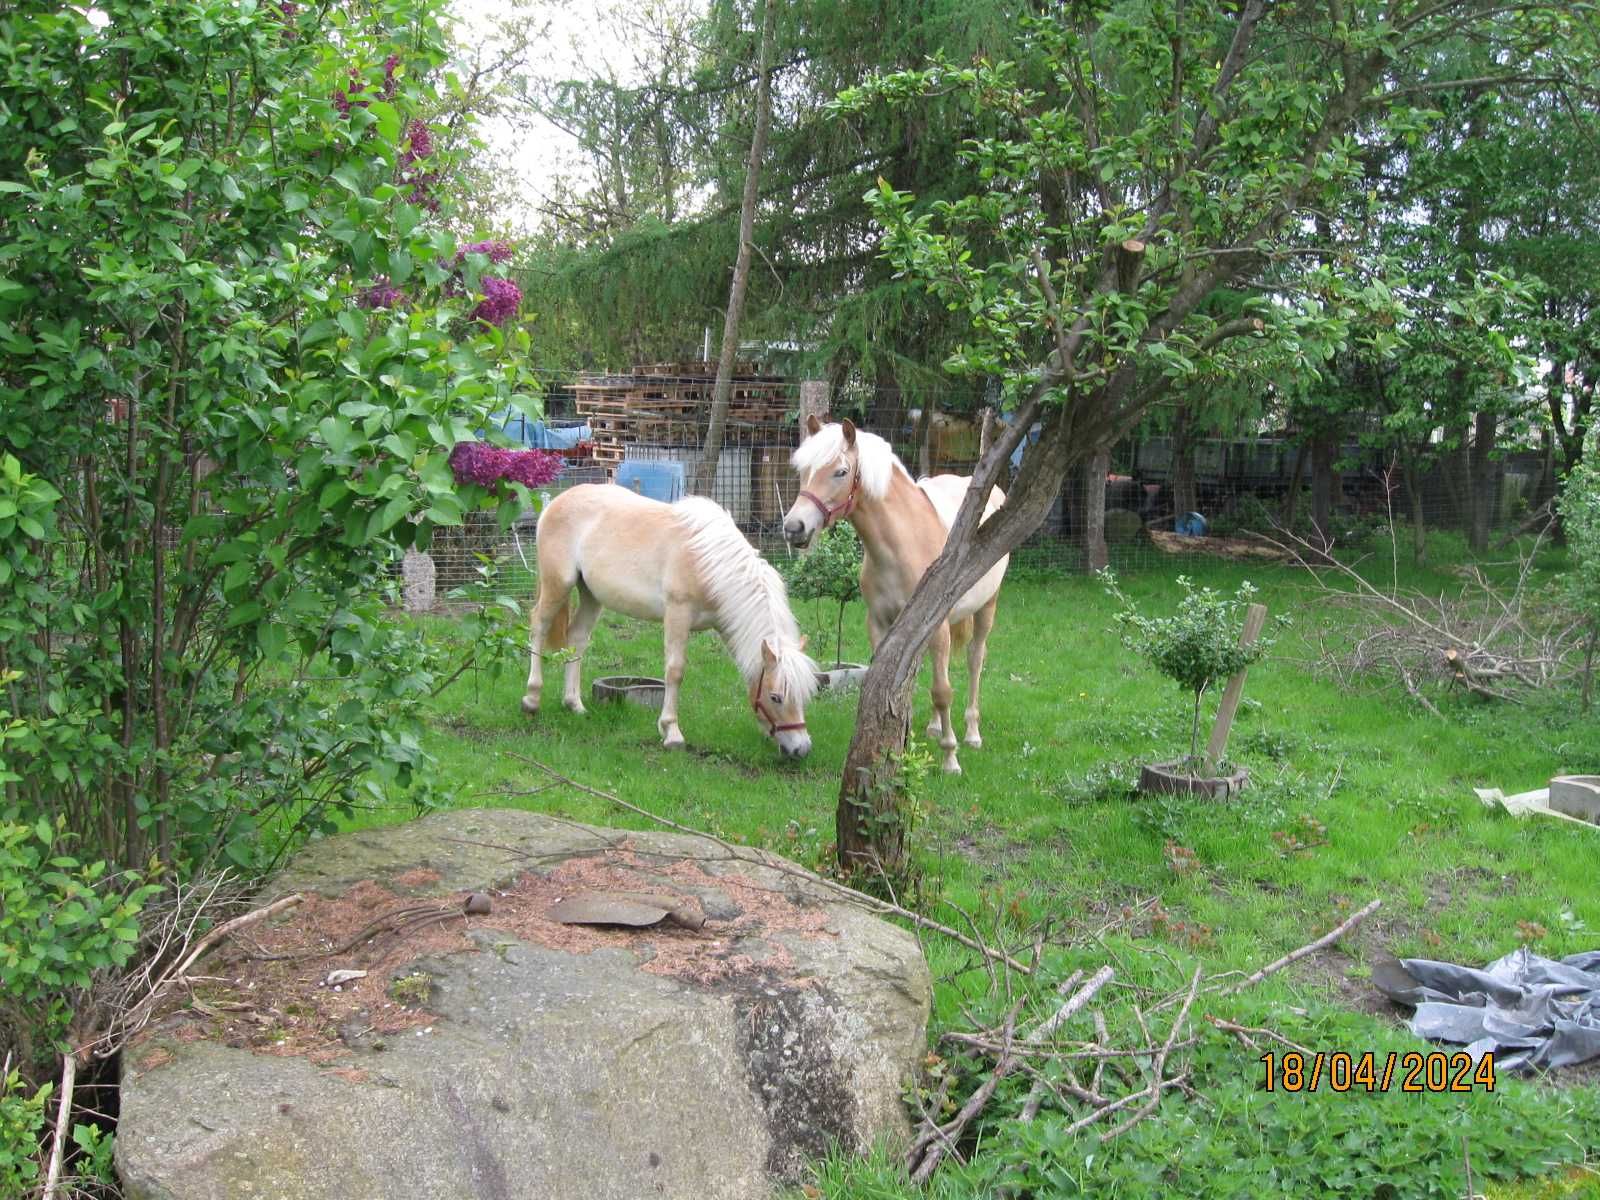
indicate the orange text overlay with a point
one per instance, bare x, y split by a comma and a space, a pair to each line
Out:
1435, 1071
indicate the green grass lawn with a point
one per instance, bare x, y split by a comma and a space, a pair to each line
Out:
1043, 827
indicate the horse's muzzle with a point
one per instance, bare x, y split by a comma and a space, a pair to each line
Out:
794, 747
796, 533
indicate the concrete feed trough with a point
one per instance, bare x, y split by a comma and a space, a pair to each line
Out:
636, 689
1577, 796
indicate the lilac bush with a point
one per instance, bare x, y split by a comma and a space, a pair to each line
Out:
487, 466
382, 294
500, 300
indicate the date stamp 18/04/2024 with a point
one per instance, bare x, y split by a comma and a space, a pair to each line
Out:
1434, 1072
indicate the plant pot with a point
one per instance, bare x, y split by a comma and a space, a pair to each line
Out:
1172, 779
635, 689
841, 677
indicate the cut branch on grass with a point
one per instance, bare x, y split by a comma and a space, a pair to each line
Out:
1494, 641
1327, 939
934, 1141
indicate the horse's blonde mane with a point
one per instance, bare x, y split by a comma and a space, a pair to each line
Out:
875, 457
751, 602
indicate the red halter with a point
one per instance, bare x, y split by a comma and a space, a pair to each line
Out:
773, 728
838, 511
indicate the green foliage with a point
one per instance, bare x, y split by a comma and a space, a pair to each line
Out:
239, 346
1198, 645
22, 1122
1579, 505
831, 570
62, 922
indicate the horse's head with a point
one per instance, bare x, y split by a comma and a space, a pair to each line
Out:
829, 463
778, 696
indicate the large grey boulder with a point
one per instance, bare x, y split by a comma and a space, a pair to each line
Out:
530, 1058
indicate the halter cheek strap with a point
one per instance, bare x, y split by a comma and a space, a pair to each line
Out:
840, 510
773, 728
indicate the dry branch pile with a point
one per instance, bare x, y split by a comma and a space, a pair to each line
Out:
1492, 640
1092, 1081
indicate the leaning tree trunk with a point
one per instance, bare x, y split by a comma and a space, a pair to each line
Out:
722, 391
869, 820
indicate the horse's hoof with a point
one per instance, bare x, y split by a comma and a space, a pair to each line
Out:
973, 740
934, 731
530, 705
673, 744
952, 767
574, 706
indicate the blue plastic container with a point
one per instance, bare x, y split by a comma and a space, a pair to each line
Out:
657, 480
1192, 525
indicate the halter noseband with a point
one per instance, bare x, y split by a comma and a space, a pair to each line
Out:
773, 728
843, 509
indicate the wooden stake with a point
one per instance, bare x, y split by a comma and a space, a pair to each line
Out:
1254, 618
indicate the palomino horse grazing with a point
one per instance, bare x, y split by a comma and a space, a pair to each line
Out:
849, 473
685, 565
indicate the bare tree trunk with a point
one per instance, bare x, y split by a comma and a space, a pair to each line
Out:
1413, 482
722, 392
1095, 555
1323, 449
1185, 497
923, 434
1485, 480
1291, 498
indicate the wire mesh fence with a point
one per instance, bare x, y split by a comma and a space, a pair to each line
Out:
646, 429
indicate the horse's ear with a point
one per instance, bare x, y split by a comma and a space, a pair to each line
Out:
812, 424
769, 652
849, 432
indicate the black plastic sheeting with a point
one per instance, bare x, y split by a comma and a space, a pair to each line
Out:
1533, 1012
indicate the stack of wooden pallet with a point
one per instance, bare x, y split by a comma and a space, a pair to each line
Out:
668, 404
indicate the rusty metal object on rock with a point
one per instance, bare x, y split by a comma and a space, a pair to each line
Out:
619, 908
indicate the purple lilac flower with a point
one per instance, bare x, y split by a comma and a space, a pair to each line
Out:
500, 300
382, 294
419, 143
421, 192
486, 466
494, 250
389, 85
344, 100
288, 9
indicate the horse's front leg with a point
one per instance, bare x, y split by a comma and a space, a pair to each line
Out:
977, 651
675, 634
943, 694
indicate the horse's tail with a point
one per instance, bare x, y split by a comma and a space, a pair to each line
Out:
556, 636
960, 632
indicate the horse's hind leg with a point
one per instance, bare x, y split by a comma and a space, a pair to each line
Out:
547, 630
943, 694
977, 651
675, 633
960, 631
578, 639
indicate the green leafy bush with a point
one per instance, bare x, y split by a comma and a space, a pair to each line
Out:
22, 1120
831, 571
1579, 505
1197, 646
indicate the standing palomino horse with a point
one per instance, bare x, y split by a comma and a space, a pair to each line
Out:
685, 565
850, 473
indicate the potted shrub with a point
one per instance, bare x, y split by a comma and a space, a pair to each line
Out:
1197, 647
831, 571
